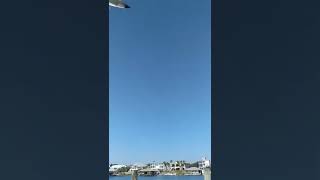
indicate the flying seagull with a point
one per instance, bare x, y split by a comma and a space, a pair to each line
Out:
118, 4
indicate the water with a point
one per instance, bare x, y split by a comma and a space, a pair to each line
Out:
158, 177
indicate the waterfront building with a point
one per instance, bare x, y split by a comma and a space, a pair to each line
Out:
136, 167
204, 163
159, 167
115, 167
177, 166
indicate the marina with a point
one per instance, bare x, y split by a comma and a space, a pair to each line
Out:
190, 173
172, 168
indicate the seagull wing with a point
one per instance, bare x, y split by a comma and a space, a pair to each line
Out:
118, 4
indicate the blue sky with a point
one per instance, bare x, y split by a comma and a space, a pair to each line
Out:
160, 80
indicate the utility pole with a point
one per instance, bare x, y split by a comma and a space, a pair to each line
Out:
134, 175
207, 174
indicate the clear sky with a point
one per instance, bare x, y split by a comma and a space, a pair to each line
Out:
160, 81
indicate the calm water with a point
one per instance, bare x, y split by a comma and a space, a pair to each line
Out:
158, 177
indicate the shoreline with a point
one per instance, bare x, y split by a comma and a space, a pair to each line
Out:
186, 174
156, 175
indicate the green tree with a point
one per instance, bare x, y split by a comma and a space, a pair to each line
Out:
188, 165
196, 164
123, 169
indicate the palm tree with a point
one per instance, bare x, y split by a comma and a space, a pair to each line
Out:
165, 163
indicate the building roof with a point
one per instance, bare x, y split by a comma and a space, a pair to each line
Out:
116, 166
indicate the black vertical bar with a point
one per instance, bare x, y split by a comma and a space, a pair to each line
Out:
266, 72
53, 89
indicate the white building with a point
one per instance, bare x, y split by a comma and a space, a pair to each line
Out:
115, 167
177, 166
204, 163
137, 167
159, 167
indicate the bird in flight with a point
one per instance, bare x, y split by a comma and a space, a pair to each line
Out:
118, 4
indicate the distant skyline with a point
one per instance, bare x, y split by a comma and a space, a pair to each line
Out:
159, 161
160, 81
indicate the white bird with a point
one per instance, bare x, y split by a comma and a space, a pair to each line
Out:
118, 4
